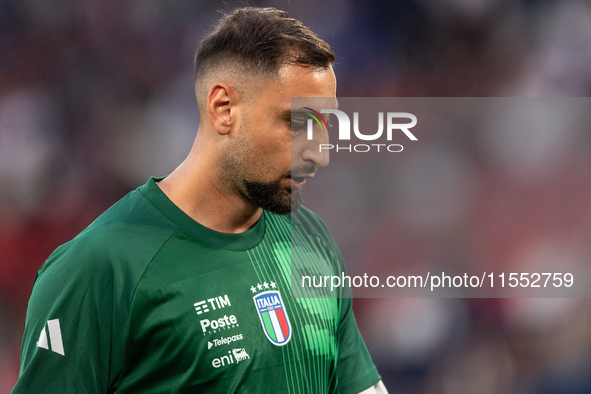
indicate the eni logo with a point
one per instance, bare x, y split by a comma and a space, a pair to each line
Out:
238, 353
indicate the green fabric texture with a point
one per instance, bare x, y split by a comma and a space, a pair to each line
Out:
146, 300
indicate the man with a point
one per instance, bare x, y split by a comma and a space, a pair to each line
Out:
184, 285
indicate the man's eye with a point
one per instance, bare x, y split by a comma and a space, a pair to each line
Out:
297, 126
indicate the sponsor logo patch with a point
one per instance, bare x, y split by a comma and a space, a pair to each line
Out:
233, 357
224, 341
211, 304
223, 323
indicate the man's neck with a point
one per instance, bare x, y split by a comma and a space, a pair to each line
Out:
197, 191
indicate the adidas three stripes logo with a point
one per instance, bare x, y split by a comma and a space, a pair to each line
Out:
55, 337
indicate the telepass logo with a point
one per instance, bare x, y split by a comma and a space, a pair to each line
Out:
345, 130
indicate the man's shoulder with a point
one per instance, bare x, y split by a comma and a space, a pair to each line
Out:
133, 211
306, 220
124, 238
132, 223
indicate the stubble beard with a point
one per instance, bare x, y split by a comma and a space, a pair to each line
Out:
269, 195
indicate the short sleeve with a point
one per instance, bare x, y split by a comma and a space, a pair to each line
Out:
356, 370
69, 344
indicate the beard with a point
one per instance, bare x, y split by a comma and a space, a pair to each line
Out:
271, 197
241, 166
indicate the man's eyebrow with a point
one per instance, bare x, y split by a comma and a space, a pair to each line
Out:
292, 111
302, 111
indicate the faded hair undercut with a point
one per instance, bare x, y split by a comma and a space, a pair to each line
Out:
260, 41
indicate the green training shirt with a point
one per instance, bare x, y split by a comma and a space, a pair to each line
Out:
146, 300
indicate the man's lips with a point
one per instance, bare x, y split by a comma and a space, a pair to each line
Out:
298, 182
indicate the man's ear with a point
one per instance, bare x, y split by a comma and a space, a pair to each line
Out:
221, 107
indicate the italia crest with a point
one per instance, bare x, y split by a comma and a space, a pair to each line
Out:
273, 317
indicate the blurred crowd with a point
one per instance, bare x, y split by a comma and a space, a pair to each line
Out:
493, 185
97, 95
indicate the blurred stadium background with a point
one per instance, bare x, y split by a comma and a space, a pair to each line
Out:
97, 95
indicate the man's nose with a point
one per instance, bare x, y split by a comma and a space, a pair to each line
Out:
315, 149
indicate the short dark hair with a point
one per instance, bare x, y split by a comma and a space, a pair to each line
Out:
260, 41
